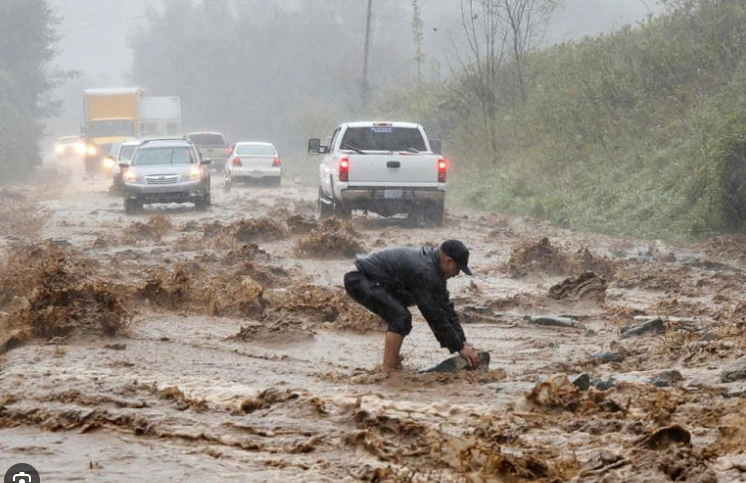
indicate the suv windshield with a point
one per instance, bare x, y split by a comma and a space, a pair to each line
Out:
125, 152
163, 155
255, 149
207, 139
118, 127
383, 138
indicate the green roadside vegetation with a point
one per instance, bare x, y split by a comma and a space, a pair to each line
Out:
642, 131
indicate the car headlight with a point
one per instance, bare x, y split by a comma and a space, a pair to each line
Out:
80, 148
108, 163
92, 150
195, 173
130, 176
58, 149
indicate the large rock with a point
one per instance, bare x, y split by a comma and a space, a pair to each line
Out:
654, 326
735, 371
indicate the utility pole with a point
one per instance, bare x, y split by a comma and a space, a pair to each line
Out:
365, 85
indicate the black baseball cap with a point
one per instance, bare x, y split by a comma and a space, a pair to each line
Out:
457, 251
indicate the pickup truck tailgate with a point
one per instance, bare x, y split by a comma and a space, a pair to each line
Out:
393, 169
214, 152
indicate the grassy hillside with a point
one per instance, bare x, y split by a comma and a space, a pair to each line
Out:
642, 131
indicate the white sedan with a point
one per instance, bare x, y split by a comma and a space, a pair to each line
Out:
253, 161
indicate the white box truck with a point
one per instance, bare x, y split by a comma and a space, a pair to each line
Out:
160, 116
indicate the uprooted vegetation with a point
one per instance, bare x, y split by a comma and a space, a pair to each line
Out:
332, 238
51, 291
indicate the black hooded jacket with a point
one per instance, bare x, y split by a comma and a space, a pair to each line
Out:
413, 276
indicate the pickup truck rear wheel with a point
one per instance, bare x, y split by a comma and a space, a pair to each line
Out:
435, 214
326, 209
340, 211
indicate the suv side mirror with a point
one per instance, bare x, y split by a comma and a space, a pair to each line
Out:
124, 165
435, 145
314, 146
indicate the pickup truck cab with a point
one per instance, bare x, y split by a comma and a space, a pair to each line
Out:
386, 168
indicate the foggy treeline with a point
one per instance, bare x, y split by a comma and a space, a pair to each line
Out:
256, 70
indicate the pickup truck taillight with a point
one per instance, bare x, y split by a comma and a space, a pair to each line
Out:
344, 169
442, 169
276, 162
237, 161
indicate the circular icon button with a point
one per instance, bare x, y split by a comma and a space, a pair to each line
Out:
22, 473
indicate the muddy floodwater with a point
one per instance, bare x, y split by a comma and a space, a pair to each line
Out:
177, 345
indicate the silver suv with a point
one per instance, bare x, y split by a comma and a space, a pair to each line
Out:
166, 171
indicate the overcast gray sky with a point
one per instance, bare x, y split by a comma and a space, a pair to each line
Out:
94, 32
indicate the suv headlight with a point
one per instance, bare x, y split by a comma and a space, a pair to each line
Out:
92, 149
195, 173
130, 176
58, 149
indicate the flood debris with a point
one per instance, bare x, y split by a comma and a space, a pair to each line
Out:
556, 392
248, 230
586, 286
662, 438
651, 326
543, 257
276, 327
154, 229
54, 291
607, 357
300, 225
555, 321
332, 238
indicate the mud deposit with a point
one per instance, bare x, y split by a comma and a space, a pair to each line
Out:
220, 346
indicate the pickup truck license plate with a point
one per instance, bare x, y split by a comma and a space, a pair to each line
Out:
392, 194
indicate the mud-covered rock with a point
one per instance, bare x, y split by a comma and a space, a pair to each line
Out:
666, 378
581, 381
607, 357
652, 326
735, 371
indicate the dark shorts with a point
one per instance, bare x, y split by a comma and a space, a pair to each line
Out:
374, 297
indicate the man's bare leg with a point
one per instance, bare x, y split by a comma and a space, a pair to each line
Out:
391, 348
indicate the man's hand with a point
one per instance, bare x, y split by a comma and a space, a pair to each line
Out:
471, 356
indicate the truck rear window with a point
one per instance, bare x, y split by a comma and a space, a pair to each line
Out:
384, 138
207, 139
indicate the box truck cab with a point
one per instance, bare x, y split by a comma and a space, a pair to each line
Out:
109, 116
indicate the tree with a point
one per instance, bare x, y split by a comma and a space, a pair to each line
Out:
26, 50
499, 33
527, 21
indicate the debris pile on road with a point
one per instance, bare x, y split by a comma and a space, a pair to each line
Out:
326, 306
543, 257
332, 238
53, 291
244, 231
154, 229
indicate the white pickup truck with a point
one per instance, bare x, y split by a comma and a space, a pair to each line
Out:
381, 167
